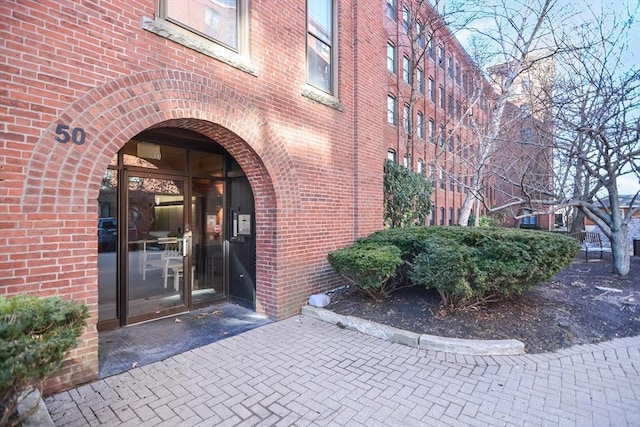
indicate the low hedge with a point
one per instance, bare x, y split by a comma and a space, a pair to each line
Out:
35, 334
368, 267
469, 265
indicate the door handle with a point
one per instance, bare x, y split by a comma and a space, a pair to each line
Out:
186, 243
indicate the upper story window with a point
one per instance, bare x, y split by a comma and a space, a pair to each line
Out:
420, 77
441, 136
391, 57
405, 162
432, 90
406, 117
432, 131
430, 45
391, 9
406, 69
458, 74
450, 66
419, 35
441, 97
441, 56
219, 20
320, 43
420, 125
391, 155
405, 19
419, 166
391, 110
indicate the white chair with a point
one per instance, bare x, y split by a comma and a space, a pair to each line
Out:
170, 260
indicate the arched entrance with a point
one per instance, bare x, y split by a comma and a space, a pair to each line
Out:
176, 228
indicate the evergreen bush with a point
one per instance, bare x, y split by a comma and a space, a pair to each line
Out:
368, 267
35, 334
474, 265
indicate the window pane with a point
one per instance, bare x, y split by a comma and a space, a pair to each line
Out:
217, 19
319, 64
320, 19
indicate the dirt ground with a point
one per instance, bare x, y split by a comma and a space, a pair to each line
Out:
585, 303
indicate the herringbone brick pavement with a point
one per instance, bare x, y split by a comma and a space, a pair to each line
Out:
302, 371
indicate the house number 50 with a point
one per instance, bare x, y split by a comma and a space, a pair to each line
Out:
64, 135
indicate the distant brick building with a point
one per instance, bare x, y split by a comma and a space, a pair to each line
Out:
156, 158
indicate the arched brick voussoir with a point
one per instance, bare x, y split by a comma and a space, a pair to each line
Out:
116, 111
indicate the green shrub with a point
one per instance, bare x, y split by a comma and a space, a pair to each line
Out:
35, 334
474, 265
368, 267
407, 196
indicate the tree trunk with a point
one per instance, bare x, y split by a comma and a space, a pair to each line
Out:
577, 221
620, 250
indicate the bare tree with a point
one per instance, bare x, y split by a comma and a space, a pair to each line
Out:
519, 32
596, 131
598, 138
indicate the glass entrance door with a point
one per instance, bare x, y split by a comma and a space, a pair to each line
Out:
207, 222
157, 247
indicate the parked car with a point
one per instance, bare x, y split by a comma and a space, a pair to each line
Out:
108, 233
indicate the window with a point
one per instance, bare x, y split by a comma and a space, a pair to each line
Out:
406, 69
420, 167
451, 187
320, 40
528, 221
391, 9
525, 109
464, 81
419, 35
458, 74
442, 216
406, 117
441, 56
420, 126
432, 90
441, 97
441, 178
218, 21
405, 19
391, 155
405, 162
432, 216
391, 57
430, 46
450, 103
450, 66
450, 142
458, 110
458, 144
459, 190
432, 131
420, 77
441, 136
450, 216
391, 110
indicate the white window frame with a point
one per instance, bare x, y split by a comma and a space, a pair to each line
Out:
333, 46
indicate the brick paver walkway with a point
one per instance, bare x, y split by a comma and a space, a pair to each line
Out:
302, 371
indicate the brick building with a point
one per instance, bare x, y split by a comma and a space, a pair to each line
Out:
157, 158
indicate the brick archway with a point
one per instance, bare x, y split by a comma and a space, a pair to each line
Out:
64, 179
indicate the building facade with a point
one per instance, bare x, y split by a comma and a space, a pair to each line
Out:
437, 103
158, 158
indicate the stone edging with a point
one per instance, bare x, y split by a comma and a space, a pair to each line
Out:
412, 339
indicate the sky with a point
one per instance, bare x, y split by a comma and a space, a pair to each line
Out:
585, 10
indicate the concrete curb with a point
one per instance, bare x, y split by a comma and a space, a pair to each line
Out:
412, 339
40, 417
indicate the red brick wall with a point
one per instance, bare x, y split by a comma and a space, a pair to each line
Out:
91, 66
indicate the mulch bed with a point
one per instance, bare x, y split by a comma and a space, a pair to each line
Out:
584, 303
